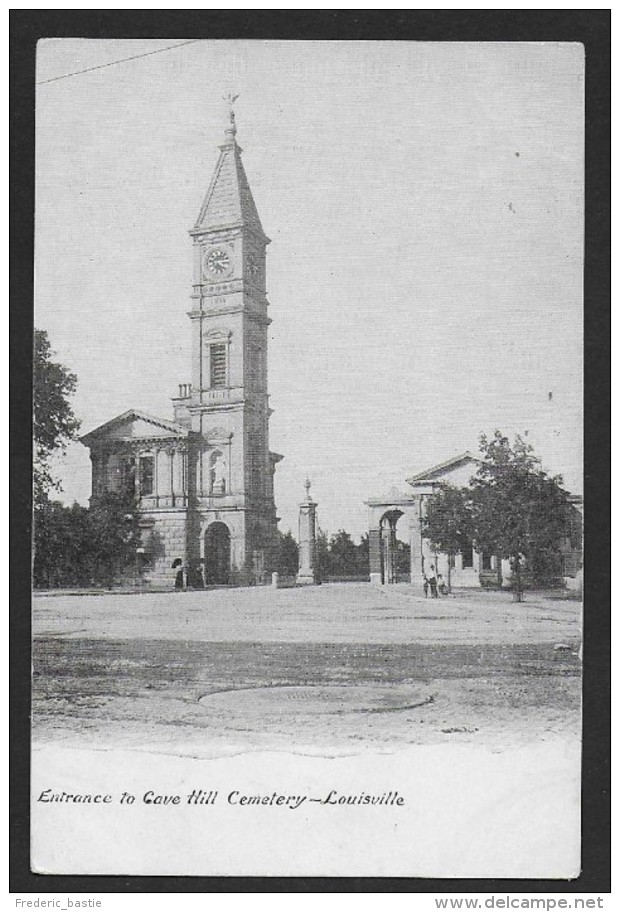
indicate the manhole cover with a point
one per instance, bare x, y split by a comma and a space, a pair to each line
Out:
320, 700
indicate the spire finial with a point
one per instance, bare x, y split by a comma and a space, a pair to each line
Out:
307, 486
231, 130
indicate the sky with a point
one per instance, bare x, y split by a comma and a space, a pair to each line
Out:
425, 205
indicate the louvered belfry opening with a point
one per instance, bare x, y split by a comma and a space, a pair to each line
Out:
218, 365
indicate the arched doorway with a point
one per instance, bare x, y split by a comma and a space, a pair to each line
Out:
217, 554
394, 557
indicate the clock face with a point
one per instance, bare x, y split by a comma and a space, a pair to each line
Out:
217, 261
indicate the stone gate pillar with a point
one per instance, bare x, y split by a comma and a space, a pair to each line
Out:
306, 575
506, 574
374, 555
415, 544
388, 535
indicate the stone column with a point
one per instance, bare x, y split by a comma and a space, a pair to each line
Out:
374, 555
135, 456
306, 575
171, 467
156, 475
506, 573
389, 538
184, 472
178, 478
415, 544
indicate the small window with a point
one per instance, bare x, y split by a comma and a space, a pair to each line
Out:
146, 476
128, 475
112, 473
468, 557
218, 365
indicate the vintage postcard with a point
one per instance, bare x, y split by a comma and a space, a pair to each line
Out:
308, 480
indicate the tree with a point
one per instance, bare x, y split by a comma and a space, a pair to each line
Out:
322, 556
447, 522
55, 425
363, 555
287, 561
76, 546
115, 535
518, 511
61, 541
338, 555
342, 554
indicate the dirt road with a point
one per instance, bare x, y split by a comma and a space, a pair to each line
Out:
329, 670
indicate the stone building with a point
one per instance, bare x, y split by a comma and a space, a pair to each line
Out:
205, 480
397, 515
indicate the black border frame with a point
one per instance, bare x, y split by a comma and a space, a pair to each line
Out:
589, 27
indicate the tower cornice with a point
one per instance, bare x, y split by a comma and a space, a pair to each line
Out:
248, 311
219, 232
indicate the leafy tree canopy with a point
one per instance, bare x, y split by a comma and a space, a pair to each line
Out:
448, 521
342, 554
512, 509
338, 556
519, 512
54, 422
287, 560
76, 546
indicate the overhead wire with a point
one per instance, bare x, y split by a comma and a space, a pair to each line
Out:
101, 66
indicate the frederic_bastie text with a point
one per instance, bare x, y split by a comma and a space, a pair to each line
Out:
58, 903
235, 798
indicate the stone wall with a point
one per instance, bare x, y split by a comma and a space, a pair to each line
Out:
164, 539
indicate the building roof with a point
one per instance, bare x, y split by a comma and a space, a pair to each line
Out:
444, 468
169, 428
229, 201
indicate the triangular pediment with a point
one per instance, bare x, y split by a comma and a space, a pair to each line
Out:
457, 471
134, 425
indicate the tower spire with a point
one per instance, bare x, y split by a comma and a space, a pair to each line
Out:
229, 200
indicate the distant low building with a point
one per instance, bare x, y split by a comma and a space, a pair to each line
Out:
470, 567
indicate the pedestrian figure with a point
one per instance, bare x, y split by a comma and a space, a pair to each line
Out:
443, 589
432, 581
425, 586
197, 578
179, 578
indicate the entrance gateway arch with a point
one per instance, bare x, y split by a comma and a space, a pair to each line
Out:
385, 513
469, 568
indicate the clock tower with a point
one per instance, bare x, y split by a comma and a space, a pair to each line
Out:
231, 511
204, 481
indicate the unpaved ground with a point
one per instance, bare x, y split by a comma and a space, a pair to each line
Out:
335, 613
331, 670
